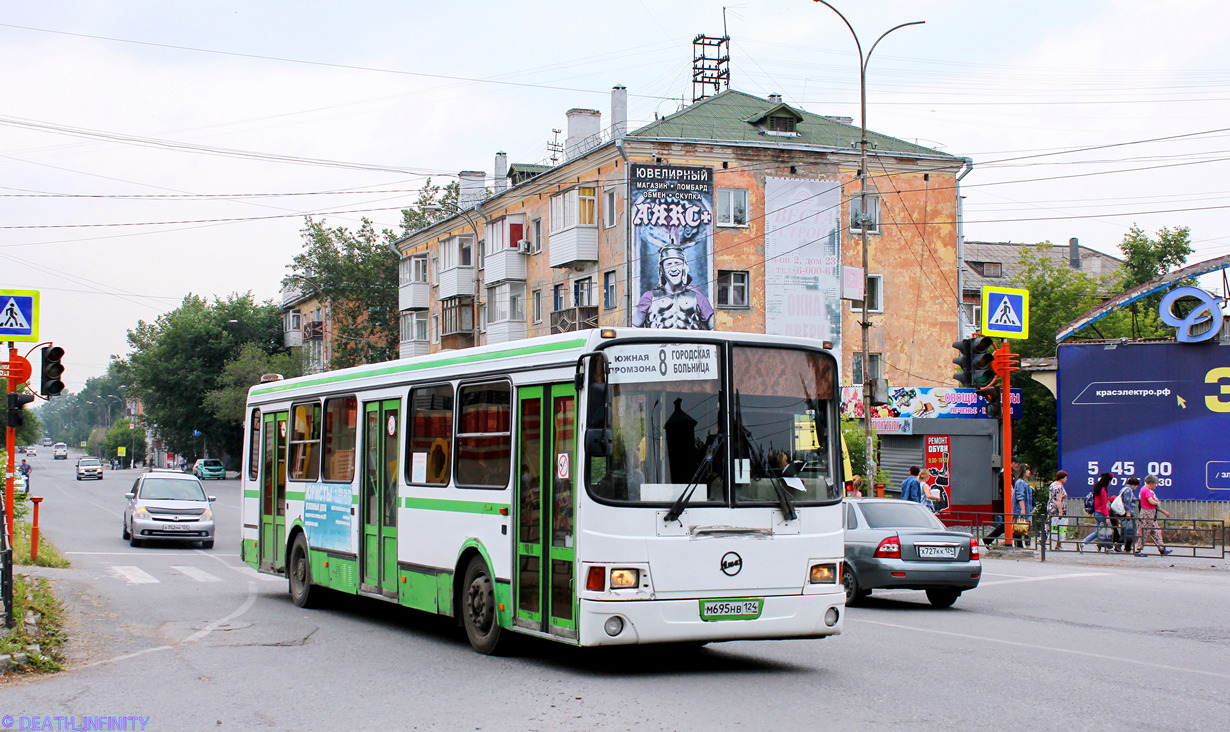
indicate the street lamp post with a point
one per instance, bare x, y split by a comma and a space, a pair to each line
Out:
864, 220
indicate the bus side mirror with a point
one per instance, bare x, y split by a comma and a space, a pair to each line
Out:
598, 439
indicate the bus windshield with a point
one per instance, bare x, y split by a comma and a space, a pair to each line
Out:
773, 405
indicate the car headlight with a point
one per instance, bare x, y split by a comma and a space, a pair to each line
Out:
142, 512
208, 515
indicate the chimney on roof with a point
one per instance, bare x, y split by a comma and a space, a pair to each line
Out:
471, 187
619, 112
1074, 253
775, 99
501, 171
584, 126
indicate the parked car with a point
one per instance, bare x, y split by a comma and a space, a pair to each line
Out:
892, 544
167, 505
207, 468
89, 468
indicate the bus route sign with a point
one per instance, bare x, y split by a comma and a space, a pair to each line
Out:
19, 315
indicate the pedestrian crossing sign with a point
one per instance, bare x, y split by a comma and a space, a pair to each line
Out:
18, 315
1005, 312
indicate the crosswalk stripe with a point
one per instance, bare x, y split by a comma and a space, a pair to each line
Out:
133, 575
197, 574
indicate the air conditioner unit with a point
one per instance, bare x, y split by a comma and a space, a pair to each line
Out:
523, 246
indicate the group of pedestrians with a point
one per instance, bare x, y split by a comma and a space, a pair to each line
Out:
1130, 518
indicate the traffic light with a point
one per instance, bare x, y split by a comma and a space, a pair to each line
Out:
963, 361
993, 395
52, 371
981, 361
16, 409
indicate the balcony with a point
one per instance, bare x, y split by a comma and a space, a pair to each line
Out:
573, 246
570, 319
414, 296
313, 330
505, 265
457, 282
409, 349
505, 331
292, 338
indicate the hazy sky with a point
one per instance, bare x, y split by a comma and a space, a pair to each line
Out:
143, 142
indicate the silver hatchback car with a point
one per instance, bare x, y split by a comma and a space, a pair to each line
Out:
892, 544
167, 505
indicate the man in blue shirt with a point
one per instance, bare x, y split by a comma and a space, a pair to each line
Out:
911, 488
1023, 498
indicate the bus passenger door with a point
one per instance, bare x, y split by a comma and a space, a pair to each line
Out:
273, 492
547, 472
378, 501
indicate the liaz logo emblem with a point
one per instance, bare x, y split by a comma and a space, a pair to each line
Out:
731, 564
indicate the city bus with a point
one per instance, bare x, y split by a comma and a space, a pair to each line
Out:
599, 487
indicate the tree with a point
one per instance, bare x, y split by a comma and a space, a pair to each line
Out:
1145, 260
124, 434
177, 360
227, 402
355, 274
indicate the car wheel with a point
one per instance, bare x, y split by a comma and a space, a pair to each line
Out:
854, 593
126, 536
78, 477
207, 544
478, 610
943, 596
133, 540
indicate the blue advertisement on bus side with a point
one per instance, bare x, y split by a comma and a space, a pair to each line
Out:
1147, 408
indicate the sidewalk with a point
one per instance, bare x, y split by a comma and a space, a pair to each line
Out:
1092, 557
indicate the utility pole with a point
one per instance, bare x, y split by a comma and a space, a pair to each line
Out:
864, 221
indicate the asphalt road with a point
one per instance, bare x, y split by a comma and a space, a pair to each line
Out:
194, 640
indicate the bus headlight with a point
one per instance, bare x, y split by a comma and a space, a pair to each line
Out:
625, 578
830, 617
823, 574
613, 626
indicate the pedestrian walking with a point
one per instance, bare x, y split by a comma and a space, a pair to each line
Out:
1057, 506
1101, 511
1023, 502
912, 490
1122, 516
1149, 509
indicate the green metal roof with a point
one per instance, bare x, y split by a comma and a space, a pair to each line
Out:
730, 116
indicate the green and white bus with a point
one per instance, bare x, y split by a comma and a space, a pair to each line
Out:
599, 487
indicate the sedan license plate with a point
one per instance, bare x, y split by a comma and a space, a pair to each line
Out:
175, 527
937, 552
738, 608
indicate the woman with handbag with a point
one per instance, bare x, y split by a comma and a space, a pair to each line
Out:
1057, 506
1149, 509
1101, 511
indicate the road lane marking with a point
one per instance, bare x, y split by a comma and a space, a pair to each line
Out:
1045, 649
133, 575
246, 606
196, 573
1045, 578
242, 569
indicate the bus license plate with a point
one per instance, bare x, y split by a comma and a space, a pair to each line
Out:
731, 609
938, 552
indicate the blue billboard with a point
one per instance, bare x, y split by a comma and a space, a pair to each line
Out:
1140, 408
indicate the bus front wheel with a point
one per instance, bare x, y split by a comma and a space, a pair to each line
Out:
300, 576
478, 609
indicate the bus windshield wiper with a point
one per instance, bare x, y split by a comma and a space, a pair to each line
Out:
711, 447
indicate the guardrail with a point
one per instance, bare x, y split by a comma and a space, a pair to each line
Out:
1204, 538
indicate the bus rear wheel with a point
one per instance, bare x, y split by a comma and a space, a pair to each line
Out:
478, 609
299, 573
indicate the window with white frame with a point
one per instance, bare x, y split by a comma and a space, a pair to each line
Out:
435, 329
608, 209
457, 251
732, 207
294, 320
535, 236
414, 326
457, 316
856, 364
608, 290
536, 305
418, 268
732, 289
506, 302
582, 292
576, 207
504, 233
875, 296
873, 213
